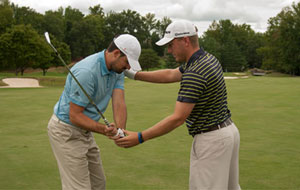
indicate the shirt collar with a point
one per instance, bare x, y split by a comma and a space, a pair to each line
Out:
103, 67
196, 55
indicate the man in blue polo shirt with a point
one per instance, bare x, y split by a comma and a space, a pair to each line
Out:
74, 118
202, 104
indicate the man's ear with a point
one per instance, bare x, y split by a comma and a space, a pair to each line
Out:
187, 40
116, 53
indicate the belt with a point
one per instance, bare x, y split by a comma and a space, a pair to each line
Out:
226, 123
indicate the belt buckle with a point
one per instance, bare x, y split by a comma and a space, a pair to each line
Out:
227, 122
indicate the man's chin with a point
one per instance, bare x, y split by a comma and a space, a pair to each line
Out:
176, 59
116, 70
119, 72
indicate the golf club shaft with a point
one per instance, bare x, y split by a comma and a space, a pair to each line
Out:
86, 94
120, 132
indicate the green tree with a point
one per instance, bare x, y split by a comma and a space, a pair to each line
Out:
211, 45
72, 17
129, 22
271, 52
148, 59
113, 26
281, 51
150, 24
171, 62
6, 16
271, 58
160, 50
26, 16
134, 25
54, 23
97, 10
239, 42
160, 28
21, 47
289, 38
43, 57
63, 49
231, 57
248, 42
87, 36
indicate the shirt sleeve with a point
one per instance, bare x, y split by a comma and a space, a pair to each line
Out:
120, 81
191, 87
87, 81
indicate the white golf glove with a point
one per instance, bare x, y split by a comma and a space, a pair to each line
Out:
130, 73
120, 132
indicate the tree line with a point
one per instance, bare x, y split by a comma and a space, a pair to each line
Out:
75, 35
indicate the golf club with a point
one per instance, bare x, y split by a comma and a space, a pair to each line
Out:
120, 131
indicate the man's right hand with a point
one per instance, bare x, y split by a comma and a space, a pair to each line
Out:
130, 73
110, 131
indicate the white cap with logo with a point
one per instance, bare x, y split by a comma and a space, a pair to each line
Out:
131, 47
178, 29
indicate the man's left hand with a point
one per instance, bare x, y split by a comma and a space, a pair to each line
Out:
120, 134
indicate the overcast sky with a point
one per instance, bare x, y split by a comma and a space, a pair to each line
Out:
201, 12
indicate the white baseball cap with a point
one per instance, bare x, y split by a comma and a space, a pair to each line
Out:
131, 47
178, 29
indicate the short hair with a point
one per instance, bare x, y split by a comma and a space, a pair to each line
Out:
194, 40
112, 46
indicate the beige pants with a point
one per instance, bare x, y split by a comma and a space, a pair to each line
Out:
214, 160
77, 155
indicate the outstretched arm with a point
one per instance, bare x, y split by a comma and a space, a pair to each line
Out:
159, 76
181, 112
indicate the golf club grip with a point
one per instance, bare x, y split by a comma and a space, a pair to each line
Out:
106, 122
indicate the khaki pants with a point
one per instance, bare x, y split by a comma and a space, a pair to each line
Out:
77, 155
214, 160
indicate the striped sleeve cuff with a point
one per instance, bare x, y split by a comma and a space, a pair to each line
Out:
185, 99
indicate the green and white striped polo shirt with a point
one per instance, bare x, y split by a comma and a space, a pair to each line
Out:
203, 84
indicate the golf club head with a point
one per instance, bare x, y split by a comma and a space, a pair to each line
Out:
47, 37
49, 42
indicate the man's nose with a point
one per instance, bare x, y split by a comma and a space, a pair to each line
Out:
128, 66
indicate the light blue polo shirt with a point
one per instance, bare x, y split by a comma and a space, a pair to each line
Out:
97, 81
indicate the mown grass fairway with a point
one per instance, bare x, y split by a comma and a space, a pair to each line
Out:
265, 109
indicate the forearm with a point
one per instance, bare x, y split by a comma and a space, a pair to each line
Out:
84, 122
119, 108
120, 117
159, 76
163, 127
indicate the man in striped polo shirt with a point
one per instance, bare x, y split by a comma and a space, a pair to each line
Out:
202, 104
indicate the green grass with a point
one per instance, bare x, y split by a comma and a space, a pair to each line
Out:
265, 109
